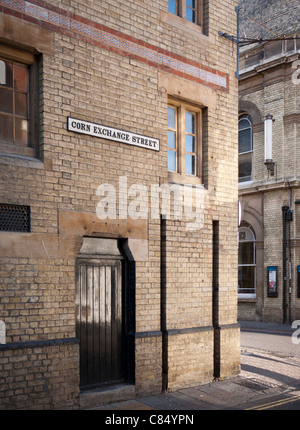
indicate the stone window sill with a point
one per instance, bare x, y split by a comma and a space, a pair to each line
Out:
23, 161
186, 26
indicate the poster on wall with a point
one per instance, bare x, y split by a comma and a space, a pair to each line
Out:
272, 281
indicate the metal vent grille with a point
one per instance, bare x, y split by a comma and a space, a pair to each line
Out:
14, 218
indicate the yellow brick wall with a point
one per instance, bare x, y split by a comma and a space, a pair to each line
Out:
90, 82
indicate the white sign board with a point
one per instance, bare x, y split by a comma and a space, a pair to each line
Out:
110, 133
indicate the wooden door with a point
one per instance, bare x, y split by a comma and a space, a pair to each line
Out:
99, 322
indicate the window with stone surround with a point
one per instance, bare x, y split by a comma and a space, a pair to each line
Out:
245, 148
246, 263
184, 142
18, 102
189, 10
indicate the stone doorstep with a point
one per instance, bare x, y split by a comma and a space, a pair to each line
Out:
106, 395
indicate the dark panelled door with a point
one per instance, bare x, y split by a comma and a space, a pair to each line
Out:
99, 321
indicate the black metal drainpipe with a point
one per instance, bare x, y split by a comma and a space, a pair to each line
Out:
163, 305
290, 257
215, 301
284, 303
287, 216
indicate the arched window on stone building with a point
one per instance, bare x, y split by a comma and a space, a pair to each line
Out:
245, 148
246, 262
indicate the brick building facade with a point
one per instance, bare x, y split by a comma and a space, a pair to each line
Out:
269, 85
99, 291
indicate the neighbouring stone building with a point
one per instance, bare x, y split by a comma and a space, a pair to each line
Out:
106, 285
269, 192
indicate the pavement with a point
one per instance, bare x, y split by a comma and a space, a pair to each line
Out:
265, 375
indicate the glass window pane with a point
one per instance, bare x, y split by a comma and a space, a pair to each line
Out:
246, 235
190, 15
244, 123
21, 104
245, 141
172, 139
7, 74
6, 129
6, 101
246, 280
245, 167
190, 164
246, 253
14, 103
190, 3
20, 131
2, 73
20, 78
172, 161
173, 6
189, 143
171, 118
190, 123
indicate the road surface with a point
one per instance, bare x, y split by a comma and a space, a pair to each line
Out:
274, 358
271, 337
